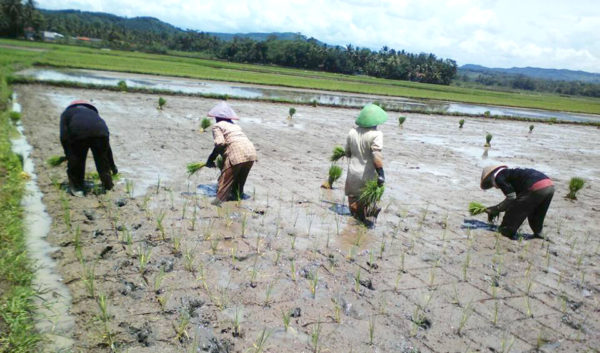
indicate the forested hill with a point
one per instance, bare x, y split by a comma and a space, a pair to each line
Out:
534, 72
285, 49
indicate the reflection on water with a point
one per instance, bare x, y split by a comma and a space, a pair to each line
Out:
191, 86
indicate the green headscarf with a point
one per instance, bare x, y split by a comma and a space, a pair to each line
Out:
371, 115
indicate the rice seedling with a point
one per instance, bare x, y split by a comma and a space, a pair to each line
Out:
64, 200
465, 266
293, 241
461, 122
476, 208
214, 245
528, 311
122, 85
286, 316
338, 153
488, 140
401, 121
129, 186
157, 184
158, 279
531, 128
205, 124
15, 116
291, 112
315, 336
89, 279
575, 184
269, 292
144, 254
104, 317
254, 273
261, 341
487, 113
496, 304
371, 329
237, 322
371, 194
334, 174
188, 260
313, 283
161, 102
466, 314
55, 161
181, 326
357, 281
337, 311
77, 243
505, 346
293, 269
163, 300
159, 224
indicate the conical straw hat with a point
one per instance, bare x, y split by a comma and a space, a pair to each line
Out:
486, 180
224, 111
371, 115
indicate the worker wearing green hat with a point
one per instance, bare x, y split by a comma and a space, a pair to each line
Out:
363, 149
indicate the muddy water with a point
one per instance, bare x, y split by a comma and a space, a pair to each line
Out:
298, 95
291, 246
53, 302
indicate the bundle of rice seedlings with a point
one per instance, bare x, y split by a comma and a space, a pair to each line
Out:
461, 122
55, 161
476, 208
161, 102
205, 124
530, 128
192, 168
15, 116
338, 153
575, 185
292, 111
220, 162
94, 176
371, 194
488, 139
335, 173
401, 121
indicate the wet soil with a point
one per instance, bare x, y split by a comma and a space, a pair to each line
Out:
427, 278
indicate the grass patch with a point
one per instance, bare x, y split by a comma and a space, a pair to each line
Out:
17, 332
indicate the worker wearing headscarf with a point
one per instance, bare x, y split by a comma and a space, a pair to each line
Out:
238, 153
528, 195
81, 129
365, 160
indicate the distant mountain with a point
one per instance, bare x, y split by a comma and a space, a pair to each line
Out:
534, 72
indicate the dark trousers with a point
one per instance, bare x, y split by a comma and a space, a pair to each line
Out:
232, 180
103, 158
532, 205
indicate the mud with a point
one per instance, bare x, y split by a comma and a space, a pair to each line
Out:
179, 274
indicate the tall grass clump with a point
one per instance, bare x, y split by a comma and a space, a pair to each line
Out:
334, 174
55, 161
488, 139
192, 168
461, 122
401, 121
370, 194
575, 185
338, 153
476, 208
205, 124
161, 102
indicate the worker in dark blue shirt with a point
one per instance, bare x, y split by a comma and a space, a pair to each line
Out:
528, 195
81, 129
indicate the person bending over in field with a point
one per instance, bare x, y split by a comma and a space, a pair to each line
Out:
81, 129
237, 151
365, 160
528, 195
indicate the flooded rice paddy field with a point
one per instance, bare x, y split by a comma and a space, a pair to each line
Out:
288, 264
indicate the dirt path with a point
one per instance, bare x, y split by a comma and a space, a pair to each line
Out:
217, 277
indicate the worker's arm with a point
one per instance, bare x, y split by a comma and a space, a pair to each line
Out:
376, 148
219, 148
347, 149
65, 119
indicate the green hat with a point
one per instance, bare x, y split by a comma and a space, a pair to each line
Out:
371, 115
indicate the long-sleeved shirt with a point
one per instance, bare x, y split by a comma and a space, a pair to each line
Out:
79, 122
517, 180
238, 148
361, 145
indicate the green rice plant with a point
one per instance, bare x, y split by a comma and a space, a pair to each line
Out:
103, 306
269, 292
193, 220
159, 224
313, 283
337, 311
488, 140
214, 245
66, 206
205, 124
237, 318
487, 114
192, 168
371, 194
261, 341
466, 314
293, 269
371, 329
163, 300
122, 86
313, 103
158, 279
286, 316
144, 254
357, 281
461, 122
161, 102
77, 244
89, 279
291, 112
476, 208
55, 161
315, 336
181, 326
157, 184
15, 116
104, 317
189, 260
531, 128
129, 187
338, 153
575, 184
401, 121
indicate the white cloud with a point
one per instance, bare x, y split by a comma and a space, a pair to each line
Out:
545, 33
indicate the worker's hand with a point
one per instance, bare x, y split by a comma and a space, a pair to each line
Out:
380, 176
210, 163
115, 171
492, 213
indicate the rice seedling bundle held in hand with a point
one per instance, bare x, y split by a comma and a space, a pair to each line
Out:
220, 162
476, 208
192, 168
370, 194
55, 161
205, 124
338, 153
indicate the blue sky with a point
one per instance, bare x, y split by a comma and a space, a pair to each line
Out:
548, 34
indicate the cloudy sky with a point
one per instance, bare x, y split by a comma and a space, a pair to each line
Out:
496, 33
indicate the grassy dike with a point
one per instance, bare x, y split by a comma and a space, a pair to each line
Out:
17, 333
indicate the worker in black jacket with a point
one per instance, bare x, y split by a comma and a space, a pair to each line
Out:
81, 128
528, 195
